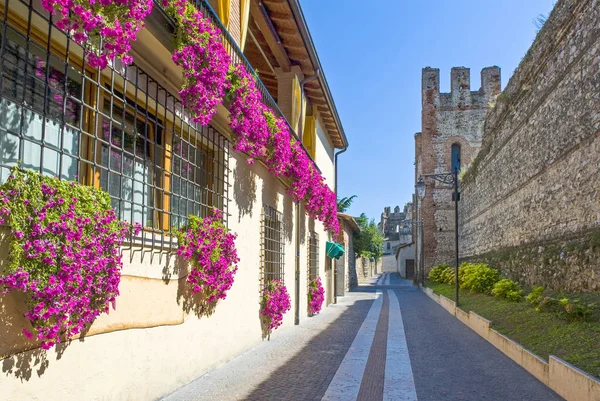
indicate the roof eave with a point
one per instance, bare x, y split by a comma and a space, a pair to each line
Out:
314, 57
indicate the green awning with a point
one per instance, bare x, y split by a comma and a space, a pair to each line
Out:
334, 250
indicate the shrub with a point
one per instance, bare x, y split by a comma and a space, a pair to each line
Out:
535, 296
449, 276
509, 289
577, 310
437, 273
479, 277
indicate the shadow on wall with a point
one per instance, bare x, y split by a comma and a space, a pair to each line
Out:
244, 188
191, 303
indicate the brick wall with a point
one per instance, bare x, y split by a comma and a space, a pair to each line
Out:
531, 201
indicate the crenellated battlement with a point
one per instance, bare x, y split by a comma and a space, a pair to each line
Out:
460, 87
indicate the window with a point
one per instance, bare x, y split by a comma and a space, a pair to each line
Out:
197, 179
129, 175
388, 246
116, 129
40, 109
455, 155
313, 255
273, 251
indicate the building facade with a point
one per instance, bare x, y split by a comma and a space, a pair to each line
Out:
451, 135
125, 130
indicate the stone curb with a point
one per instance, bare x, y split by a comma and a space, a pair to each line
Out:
569, 382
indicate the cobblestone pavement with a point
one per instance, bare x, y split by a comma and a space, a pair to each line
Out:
385, 340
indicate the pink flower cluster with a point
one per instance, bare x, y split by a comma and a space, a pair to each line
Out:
64, 253
105, 28
209, 76
316, 296
276, 302
262, 136
205, 62
211, 249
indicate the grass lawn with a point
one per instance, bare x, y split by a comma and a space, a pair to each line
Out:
543, 333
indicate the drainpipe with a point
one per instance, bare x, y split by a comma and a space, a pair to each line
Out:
335, 163
300, 134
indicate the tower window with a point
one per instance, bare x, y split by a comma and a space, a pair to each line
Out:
455, 154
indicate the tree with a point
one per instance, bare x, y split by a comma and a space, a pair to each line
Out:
344, 203
369, 241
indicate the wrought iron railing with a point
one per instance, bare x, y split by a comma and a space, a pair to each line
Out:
116, 129
313, 255
272, 244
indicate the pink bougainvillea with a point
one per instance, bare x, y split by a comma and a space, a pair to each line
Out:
276, 302
248, 120
211, 249
316, 296
209, 77
64, 252
104, 28
204, 59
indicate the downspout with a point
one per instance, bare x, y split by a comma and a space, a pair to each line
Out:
335, 163
300, 134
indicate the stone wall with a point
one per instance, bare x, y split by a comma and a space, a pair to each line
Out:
447, 119
530, 202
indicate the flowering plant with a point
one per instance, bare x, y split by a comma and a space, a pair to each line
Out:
316, 296
204, 59
248, 120
209, 76
104, 28
64, 252
275, 303
211, 249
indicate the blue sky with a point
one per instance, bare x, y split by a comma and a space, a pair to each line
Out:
372, 59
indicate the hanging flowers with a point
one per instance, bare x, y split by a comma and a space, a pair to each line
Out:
248, 120
316, 296
209, 76
211, 249
104, 28
64, 252
275, 303
205, 62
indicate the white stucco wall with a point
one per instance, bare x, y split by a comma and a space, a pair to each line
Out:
325, 155
407, 252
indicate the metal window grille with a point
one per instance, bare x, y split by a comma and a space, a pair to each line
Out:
313, 255
273, 250
116, 129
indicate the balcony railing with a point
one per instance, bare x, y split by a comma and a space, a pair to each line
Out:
237, 56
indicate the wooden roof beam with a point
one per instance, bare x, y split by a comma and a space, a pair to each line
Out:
268, 30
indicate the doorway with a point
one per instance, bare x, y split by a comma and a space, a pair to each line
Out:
410, 268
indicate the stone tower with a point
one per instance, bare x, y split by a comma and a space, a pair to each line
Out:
451, 135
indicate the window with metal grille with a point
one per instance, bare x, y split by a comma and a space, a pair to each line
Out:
116, 129
273, 251
313, 255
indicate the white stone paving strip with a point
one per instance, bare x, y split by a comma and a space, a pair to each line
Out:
345, 385
388, 277
399, 384
381, 279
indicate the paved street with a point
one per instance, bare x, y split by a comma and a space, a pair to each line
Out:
384, 341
